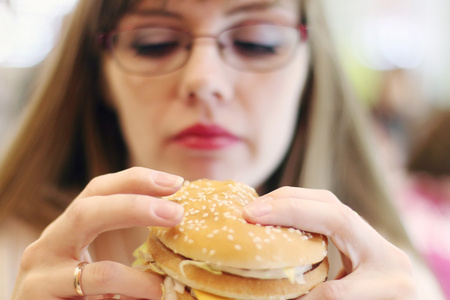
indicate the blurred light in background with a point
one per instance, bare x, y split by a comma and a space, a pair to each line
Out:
6, 29
386, 42
376, 37
29, 29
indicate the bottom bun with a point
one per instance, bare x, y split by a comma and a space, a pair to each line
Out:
232, 286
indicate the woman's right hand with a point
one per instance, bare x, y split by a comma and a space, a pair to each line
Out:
109, 202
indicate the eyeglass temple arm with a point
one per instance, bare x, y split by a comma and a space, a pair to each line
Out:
303, 29
103, 40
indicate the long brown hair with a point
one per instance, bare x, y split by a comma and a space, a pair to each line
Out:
69, 135
430, 148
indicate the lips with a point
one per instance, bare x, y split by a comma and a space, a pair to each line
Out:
205, 137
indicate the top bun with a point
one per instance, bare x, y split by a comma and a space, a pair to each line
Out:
213, 230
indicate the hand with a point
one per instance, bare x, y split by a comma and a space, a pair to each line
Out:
373, 268
109, 202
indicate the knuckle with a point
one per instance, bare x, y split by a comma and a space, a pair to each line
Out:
93, 186
284, 190
344, 217
134, 208
104, 274
76, 212
329, 195
29, 257
406, 286
331, 290
136, 174
138, 178
290, 217
404, 261
346, 212
133, 173
292, 205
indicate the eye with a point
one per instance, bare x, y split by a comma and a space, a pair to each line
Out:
263, 40
246, 48
156, 50
151, 42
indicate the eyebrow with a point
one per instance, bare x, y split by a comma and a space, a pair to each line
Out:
255, 5
252, 6
155, 12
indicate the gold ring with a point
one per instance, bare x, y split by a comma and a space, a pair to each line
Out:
77, 278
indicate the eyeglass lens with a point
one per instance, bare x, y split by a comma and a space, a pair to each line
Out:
254, 48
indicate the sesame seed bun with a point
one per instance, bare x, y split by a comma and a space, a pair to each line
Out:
214, 231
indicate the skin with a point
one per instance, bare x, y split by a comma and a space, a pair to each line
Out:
208, 91
105, 212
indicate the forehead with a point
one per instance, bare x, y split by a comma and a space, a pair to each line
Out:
160, 4
214, 9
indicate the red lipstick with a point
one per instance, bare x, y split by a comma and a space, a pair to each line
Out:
205, 137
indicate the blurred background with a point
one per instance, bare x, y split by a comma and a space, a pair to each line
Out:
397, 55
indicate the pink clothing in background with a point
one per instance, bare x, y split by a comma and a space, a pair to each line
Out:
426, 214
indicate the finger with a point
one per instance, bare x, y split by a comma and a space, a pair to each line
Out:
114, 278
86, 218
352, 288
349, 232
107, 278
135, 180
301, 193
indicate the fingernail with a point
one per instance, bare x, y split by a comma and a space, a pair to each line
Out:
167, 210
258, 209
167, 180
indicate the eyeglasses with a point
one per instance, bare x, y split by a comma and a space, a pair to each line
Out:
152, 51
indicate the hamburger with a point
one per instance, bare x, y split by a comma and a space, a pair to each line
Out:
214, 253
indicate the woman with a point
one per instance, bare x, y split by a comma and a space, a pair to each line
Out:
218, 89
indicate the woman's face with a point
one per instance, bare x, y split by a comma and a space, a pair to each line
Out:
208, 119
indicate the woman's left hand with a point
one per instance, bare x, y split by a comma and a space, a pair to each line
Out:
373, 267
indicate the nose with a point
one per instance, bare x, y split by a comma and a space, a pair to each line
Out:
205, 77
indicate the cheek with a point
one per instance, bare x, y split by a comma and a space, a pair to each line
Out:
276, 110
273, 112
138, 102
278, 120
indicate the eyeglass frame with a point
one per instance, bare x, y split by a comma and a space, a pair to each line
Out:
105, 40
